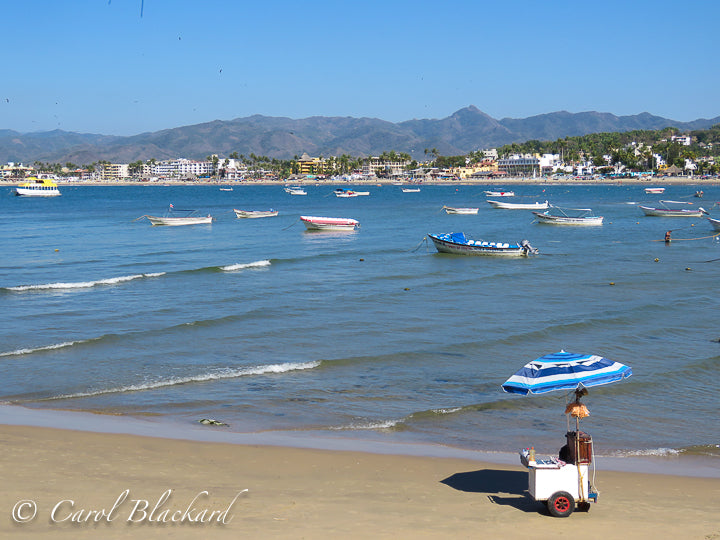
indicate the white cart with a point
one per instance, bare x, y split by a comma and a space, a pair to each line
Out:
562, 484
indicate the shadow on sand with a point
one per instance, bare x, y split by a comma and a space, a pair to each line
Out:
508, 488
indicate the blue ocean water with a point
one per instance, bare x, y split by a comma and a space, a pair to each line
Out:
368, 334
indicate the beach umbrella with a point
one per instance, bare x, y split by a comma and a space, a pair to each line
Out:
565, 371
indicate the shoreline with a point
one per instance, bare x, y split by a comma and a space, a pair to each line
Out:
513, 181
80, 421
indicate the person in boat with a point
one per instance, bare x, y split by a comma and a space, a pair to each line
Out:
668, 238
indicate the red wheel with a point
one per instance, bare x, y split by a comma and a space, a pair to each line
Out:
561, 504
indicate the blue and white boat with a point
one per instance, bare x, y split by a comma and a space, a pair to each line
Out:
459, 244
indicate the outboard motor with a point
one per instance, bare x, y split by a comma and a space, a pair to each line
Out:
527, 248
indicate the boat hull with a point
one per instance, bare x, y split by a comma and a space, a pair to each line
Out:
36, 192
664, 212
176, 221
500, 193
253, 214
519, 206
565, 220
450, 210
316, 223
715, 223
457, 244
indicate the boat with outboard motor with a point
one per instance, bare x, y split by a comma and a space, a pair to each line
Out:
255, 213
459, 244
568, 216
460, 210
671, 209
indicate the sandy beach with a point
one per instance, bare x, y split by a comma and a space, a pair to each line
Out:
54, 480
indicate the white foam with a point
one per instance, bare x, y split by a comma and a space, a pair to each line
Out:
240, 266
83, 284
382, 424
226, 373
19, 352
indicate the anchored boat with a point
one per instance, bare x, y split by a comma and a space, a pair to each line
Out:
459, 244
317, 223
568, 216
519, 206
667, 210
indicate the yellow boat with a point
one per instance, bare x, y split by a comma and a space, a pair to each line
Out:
36, 187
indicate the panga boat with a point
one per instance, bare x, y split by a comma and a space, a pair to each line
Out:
715, 223
255, 213
654, 190
459, 244
36, 187
568, 216
188, 219
500, 193
455, 210
519, 206
316, 223
349, 193
668, 211
295, 190
410, 190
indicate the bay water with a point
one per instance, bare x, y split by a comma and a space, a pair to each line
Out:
364, 335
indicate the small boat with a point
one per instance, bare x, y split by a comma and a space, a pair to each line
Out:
459, 244
519, 206
295, 190
226, 189
170, 220
715, 223
699, 194
500, 193
410, 190
349, 193
456, 210
568, 216
654, 190
668, 211
35, 187
255, 213
316, 223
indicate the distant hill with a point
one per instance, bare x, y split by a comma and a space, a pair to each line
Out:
466, 130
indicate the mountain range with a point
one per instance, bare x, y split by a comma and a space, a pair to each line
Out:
464, 131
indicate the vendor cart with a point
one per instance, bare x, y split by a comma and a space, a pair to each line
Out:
563, 482
562, 485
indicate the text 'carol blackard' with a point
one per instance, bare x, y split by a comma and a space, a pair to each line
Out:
160, 510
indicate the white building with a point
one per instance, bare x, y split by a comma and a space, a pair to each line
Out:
684, 140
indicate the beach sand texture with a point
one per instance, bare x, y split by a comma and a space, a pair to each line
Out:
299, 493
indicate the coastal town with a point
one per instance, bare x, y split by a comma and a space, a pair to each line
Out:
635, 161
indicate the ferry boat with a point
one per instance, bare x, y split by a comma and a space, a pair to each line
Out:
36, 187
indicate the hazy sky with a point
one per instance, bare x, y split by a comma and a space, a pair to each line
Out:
98, 66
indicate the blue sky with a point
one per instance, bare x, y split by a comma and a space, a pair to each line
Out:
98, 66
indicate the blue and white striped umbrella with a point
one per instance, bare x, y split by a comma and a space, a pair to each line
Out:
565, 371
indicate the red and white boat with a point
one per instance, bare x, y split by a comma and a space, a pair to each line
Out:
316, 223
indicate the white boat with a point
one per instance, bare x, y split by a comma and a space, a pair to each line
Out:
715, 223
349, 193
456, 210
459, 244
500, 193
174, 220
670, 211
255, 213
568, 216
226, 189
35, 187
654, 190
317, 223
295, 190
519, 206
183, 220
410, 190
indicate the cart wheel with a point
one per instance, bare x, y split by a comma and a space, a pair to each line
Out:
561, 504
583, 506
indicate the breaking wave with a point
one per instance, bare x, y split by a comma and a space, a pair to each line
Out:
239, 266
226, 373
82, 284
19, 352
